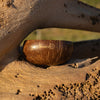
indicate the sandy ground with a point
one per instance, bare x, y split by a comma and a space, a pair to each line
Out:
26, 82
78, 79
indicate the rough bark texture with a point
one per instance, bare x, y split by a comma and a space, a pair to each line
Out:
78, 78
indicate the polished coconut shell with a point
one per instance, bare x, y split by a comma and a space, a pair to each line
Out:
47, 52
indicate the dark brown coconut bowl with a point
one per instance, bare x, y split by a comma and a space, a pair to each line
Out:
47, 52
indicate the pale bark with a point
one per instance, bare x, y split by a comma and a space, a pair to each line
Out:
19, 17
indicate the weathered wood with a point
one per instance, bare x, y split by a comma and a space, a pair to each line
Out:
21, 80
30, 80
18, 18
86, 49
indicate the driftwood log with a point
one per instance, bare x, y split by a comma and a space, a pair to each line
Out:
79, 78
18, 18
